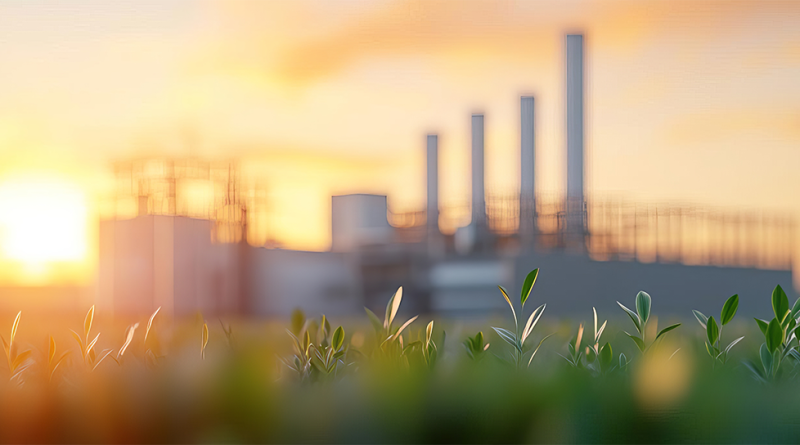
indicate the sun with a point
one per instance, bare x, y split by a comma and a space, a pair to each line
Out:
42, 221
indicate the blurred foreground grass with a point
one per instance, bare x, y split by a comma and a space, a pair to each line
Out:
397, 380
240, 394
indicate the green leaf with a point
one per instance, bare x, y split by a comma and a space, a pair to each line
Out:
638, 341
702, 319
766, 358
643, 302
392, 307
623, 361
375, 321
774, 335
538, 346
527, 285
710, 350
729, 309
733, 343
537, 313
606, 356
508, 300
634, 317
428, 332
712, 331
791, 325
667, 329
338, 338
508, 337
780, 303
590, 355
762, 324
757, 373
796, 308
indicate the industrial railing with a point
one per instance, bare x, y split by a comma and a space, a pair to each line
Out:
615, 229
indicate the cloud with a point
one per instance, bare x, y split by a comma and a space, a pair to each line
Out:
317, 41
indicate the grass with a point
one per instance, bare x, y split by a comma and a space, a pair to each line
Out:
383, 380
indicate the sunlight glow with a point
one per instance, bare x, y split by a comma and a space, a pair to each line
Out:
41, 221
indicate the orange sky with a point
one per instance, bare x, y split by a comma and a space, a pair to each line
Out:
695, 101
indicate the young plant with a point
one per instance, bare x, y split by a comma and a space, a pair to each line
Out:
640, 318
475, 347
575, 356
518, 337
204, 341
390, 339
598, 359
322, 359
152, 358
129, 332
52, 362
714, 331
779, 333
429, 349
329, 357
17, 362
90, 358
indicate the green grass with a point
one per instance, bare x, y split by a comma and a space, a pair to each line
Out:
390, 380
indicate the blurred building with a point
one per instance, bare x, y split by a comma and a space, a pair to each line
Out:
591, 250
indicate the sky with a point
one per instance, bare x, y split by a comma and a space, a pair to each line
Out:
686, 101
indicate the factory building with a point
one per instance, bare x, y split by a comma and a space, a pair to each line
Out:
591, 252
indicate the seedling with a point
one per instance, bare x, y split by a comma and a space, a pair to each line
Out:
90, 358
475, 347
52, 362
779, 333
390, 339
321, 359
598, 359
640, 318
152, 358
17, 362
204, 341
517, 338
714, 331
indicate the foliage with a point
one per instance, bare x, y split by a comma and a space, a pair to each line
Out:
321, 358
475, 347
779, 336
518, 337
714, 331
17, 361
640, 319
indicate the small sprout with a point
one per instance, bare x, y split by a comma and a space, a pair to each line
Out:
204, 341
128, 339
517, 339
150, 324
640, 319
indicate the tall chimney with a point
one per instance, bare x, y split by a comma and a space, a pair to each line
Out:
432, 213
478, 191
575, 154
527, 192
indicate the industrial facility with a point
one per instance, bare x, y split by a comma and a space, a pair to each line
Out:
591, 251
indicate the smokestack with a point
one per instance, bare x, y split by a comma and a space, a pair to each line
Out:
478, 192
432, 213
527, 193
575, 154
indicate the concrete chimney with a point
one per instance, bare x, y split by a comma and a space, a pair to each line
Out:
478, 191
575, 147
432, 213
527, 192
